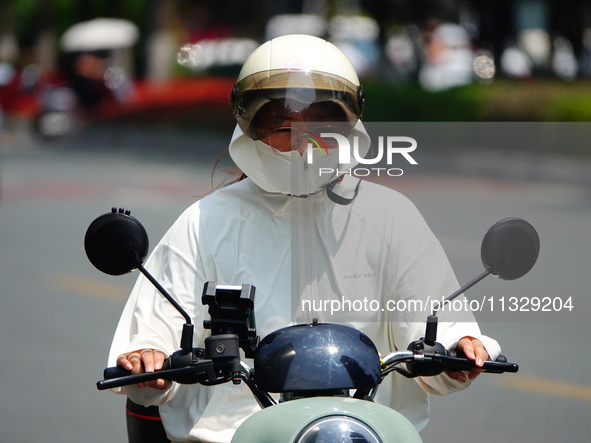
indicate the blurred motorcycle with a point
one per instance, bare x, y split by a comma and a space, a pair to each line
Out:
95, 53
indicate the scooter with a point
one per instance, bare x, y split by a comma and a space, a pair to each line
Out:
327, 375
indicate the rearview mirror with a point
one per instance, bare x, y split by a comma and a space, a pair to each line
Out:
116, 243
510, 248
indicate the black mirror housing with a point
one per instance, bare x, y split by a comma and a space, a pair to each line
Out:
510, 248
116, 243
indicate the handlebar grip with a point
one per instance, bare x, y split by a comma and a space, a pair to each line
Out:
126, 380
115, 372
498, 366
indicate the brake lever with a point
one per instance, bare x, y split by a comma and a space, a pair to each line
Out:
180, 366
435, 359
126, 380
459, 363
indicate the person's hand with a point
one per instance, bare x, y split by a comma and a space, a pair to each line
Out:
145, 360
474, 350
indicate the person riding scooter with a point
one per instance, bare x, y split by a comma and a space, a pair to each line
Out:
297, 233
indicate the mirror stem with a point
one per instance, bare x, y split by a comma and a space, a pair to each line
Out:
187, 335
431, 330
460, 291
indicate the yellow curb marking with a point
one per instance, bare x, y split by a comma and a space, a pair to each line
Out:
91, 287
547, 386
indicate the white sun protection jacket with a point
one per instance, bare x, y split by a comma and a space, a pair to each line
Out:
294, 251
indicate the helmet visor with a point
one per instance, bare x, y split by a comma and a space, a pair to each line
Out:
262, 101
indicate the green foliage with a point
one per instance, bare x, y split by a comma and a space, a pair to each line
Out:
23, 9
29, 15
409, 102
503, 100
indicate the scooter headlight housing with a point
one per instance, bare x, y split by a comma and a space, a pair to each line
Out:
338, 429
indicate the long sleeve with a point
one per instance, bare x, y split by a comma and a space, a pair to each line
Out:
148, 319
424, 276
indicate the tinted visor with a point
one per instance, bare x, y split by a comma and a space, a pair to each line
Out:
262, 101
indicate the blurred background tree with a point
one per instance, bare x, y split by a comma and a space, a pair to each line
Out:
420, 59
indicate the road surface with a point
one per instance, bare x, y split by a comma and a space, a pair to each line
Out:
58, 313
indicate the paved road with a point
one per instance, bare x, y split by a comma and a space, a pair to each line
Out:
58, 313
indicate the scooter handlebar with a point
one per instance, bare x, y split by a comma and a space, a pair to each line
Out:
115, 372
116, 377
182, 367
457, 363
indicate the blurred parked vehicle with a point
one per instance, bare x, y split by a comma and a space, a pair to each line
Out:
93, 78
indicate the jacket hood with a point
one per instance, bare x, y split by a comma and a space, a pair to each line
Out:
291, 173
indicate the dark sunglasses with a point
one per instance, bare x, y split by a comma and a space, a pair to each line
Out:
319, 117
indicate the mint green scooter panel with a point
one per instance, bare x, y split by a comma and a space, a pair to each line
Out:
283, 422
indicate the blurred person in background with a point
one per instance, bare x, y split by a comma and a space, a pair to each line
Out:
448, 57
86, 76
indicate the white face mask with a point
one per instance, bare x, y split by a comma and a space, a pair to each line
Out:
289, 172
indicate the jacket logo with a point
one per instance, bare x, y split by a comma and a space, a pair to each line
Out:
362, 275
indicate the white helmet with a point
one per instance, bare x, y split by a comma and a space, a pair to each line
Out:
309, 76
296, 71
